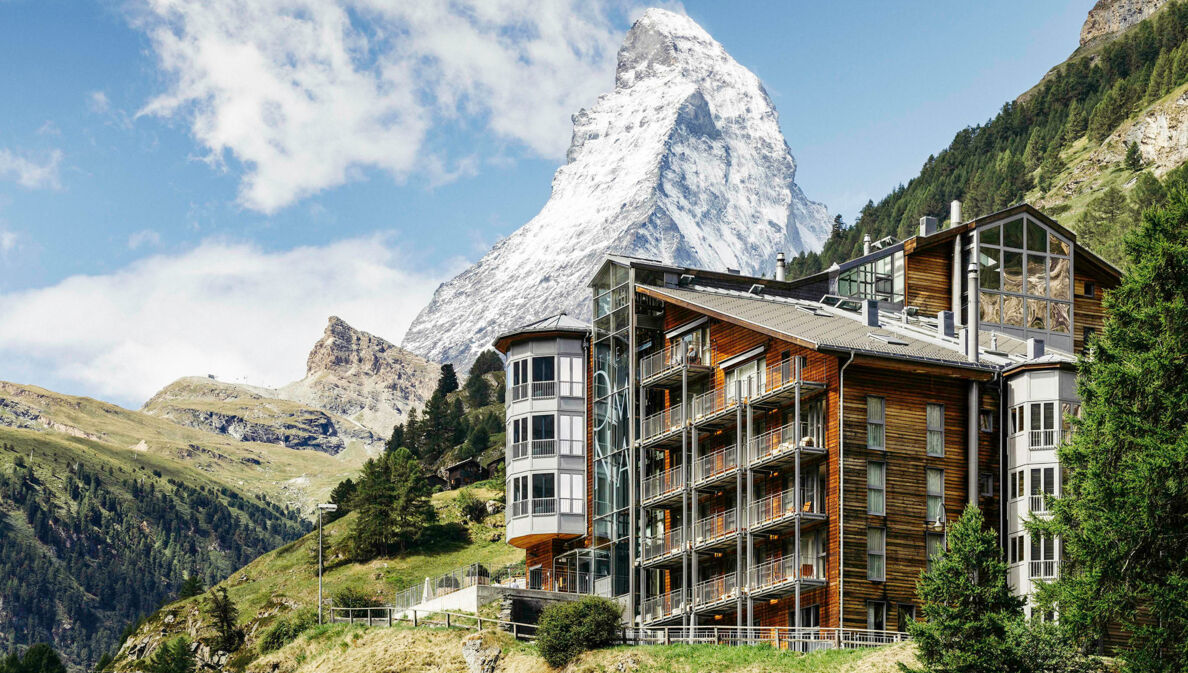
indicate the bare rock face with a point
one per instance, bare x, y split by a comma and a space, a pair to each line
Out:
1110, 17
480, 657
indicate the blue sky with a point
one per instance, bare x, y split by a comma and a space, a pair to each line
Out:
155, 223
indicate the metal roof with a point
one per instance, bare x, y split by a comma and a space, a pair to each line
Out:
560, 323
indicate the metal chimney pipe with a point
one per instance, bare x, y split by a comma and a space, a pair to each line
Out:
972, 322
780, 271
866, 245
954, 213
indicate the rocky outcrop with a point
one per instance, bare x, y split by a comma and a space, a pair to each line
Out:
1110, 17
683, 162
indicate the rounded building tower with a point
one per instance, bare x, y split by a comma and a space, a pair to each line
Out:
545, 409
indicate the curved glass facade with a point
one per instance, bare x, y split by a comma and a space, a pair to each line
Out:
1025, 278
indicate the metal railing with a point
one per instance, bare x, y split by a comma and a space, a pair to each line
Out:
1042, 439
544, 389
519, 392
783, 504
774, 442
711, 402
1038, 503
1043, 569
804, 639
668, 542
782, 570
715, 463
388, 616
781, 374
663, 421
715, 526
663, 483
544, 506
519, 450
544, 447
664, 605
520, 508
672, 356
715, 589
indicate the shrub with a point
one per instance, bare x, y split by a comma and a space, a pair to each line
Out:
568, 629
173, 656
284, 631
354, 598
471, 508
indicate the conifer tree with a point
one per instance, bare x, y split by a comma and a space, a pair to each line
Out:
224, 617
1103, 225
488, 361
478, 391
191, 586
393, 505
448, 382
1121, 516
173, 656
1077, 122
1134, 158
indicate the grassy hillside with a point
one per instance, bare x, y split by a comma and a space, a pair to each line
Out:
283, 581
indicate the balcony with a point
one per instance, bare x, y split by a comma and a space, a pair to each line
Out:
715, 531
544, 506
664, 606
519, 508
663, 425
519, 392
519, 450
1039, 440
715, 591
666, 367
665, 547
560, 580
712, 408
664, 486
777, 446
780, 509
1038, 503
716, 467
543, 390
779, 383
780, 575
544, 447
1043, 570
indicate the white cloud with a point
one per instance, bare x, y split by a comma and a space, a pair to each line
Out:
98, 102
144, 237
307, 93
223, 308
8, 241
28, 172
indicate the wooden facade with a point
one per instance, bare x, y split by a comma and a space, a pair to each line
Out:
927, 277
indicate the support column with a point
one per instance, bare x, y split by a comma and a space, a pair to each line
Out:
739, 511
693, 541
750, 536
797, 494
686, 477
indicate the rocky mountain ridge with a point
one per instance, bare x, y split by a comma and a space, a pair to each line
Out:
683, 162
1110, 17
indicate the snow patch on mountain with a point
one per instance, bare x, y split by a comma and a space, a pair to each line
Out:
682, 162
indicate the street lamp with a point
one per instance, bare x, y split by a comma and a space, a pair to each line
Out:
322, 507
941, 525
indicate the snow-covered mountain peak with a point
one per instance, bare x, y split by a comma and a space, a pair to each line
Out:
682, 161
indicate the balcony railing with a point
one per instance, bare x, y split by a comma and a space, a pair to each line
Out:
544, 389
1042, 439
783, 504
519, 450
668, 542
1038, 503
544, 447
664, 605
562, 580
663, 421
779, 571
781, 374
672, 356
519, 392
1042, 570
715, 589
663, 483
520, 508
718, 462
544, 506
710, 403
715, 526
776, 442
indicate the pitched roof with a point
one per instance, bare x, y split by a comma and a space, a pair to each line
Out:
556, 325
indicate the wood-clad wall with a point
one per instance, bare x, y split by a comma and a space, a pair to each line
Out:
927, 279
1088, 311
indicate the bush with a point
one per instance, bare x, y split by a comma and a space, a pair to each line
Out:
284, 631
173, 656
354, 598
568, 629
471, 508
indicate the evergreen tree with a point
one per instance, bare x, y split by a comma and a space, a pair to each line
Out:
412, 435
448, 382
393, 505
478, 391
224, 618
970, 614
839, 226
1147, 192
342, 495
397, 439
1134, 158
487, 362
456, 424
1077, 122
40, 658
1108, 113
1049, 169
172, 656
1121, 514
1104, 224
477, 442
191, 586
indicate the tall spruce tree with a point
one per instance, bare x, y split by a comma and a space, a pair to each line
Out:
173, 656
448, 382
224, 620
1121, 518
488, 361
393, 505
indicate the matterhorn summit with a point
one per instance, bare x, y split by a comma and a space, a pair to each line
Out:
683, 162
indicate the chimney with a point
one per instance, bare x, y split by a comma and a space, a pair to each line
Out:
870, 311
927, 226
780, 266
944, 324
866, 245
1035, 348
972, 324
954, 213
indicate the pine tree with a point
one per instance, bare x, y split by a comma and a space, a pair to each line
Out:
1108, 112
1077, 122
456, 425
191, 586
478, 391
477, 442
224, 618
172, 656
970, 614
448, 382
1134, 158
839, 226
1147, 192
1121, 516
487, 362
396, 440
393, 505
1105, 223
342, 495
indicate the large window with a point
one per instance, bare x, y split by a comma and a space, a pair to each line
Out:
935, 483
1025, 277
543, 368
572, 435
1042, 425
936, 429
519, 378
876, 495
520, 496
543, 494
881, 279
934, 546
572, 377
875, 412
519, 436
876, 554
876, 615
746, 378
573, 493
544, 437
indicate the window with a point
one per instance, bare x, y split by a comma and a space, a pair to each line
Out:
1043, 425
519, 435
875, 430
986, 420
544, 435
986, 484
572, 378
542, 368
1016, 416
519, 489
1090, 289
876, 554
573, 434
907, 614
810, 616
813, 553
543, 494
1017, 548
876, 615
935, 416
1019, 478
1043, 557
693, 345
935, 482
573, 498
881, 279
934, 546
1043, 483
876, 483
519, 378
749, 376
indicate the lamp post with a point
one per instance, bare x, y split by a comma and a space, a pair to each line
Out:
322, 507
